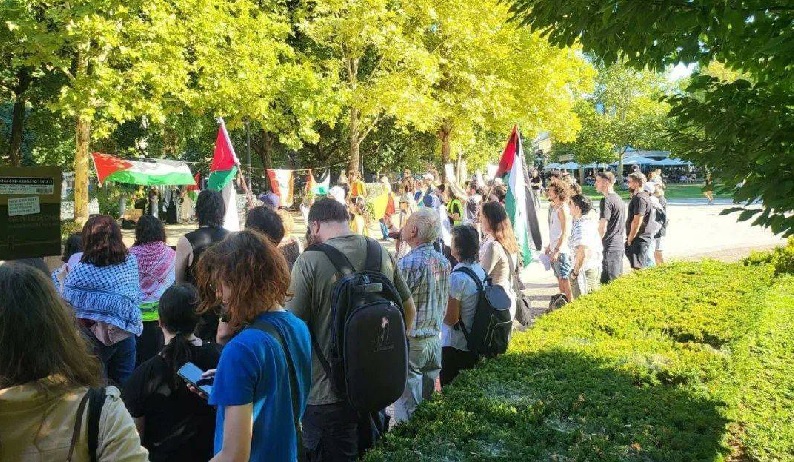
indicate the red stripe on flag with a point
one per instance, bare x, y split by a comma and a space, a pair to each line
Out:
509, 154
106, 165
223, 158
274, 186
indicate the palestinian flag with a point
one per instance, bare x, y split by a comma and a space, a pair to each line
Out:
282, 183
160, 173
519, 202
222, 173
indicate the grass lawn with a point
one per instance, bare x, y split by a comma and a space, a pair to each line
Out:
673, 191
689, 361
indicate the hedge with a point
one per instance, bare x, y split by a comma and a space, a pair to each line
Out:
690, 361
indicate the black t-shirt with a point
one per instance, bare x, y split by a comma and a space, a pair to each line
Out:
179, 425
613, 210
535, 182
640, 204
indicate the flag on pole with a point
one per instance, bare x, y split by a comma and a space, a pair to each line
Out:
222, 171
282, 182
321, 188
160, 173
519, 203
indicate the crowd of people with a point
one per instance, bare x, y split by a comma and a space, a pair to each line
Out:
258, 314
585, 252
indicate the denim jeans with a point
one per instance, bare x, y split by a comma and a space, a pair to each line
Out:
118, 359
650, 260
424, 365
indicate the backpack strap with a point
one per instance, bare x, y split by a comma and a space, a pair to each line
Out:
78, 425
271, 330
337, 258
96, 401
480, 289
374, 261
343, 267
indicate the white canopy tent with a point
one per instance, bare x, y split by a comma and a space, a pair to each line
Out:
636, 160
569, 166
552, 166
671, 162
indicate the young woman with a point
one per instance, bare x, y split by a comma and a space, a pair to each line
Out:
463, 298
174, 424
104, 290
253, 385
45, 372
499, 252
156, 267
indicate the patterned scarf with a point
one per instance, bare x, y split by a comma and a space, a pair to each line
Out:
156, 267
109, 294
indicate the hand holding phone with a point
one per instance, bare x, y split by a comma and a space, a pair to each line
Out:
197, 379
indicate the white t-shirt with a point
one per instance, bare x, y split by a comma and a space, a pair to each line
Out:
463, 289
585, 232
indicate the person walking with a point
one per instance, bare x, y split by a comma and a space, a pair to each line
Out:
262, 381
426, 272
586, 248
612, 213
660, 236
48, 374
330, 424
105, 291
174, 424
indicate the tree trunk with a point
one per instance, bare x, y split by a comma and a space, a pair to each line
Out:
355, 120
262, 144
355, 142
620, 166
82, 139
444, 135
14, 153
581, 175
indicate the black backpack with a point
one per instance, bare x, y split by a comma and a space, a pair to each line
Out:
368, 361
95, 399
489, 332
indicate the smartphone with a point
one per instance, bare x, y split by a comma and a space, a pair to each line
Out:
192, 375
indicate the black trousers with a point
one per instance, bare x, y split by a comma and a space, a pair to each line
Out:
612, 267
453, 361
636, 252
330, 433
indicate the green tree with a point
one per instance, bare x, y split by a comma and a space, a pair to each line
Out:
494, 75
375, 48
743, 129
624, 111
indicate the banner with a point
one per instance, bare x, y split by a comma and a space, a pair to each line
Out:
282, 183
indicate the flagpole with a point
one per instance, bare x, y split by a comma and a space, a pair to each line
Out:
248, 154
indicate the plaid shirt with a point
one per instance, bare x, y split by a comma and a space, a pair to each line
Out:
427, 274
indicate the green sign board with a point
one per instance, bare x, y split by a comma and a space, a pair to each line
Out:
30, 212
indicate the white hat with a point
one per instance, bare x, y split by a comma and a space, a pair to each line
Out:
649, 187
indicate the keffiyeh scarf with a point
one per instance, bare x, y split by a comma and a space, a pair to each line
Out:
109, 294
156, 266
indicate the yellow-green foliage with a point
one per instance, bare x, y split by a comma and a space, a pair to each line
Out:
684, 362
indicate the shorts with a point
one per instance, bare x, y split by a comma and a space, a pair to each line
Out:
562, 266
659, 244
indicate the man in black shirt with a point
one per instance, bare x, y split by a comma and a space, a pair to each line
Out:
640, 223
610, 227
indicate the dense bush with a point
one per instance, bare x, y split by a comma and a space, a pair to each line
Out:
685, 362
782, 258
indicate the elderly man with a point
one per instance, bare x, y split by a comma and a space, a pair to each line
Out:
426, 271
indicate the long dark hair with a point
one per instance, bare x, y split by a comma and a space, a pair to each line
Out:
102, 243
501, 229
39, 337
177, 313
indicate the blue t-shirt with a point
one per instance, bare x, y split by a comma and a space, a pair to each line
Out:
253, 369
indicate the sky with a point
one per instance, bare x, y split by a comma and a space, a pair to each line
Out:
680, 71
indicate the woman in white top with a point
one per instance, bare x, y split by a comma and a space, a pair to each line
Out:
463, 298
499, 252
